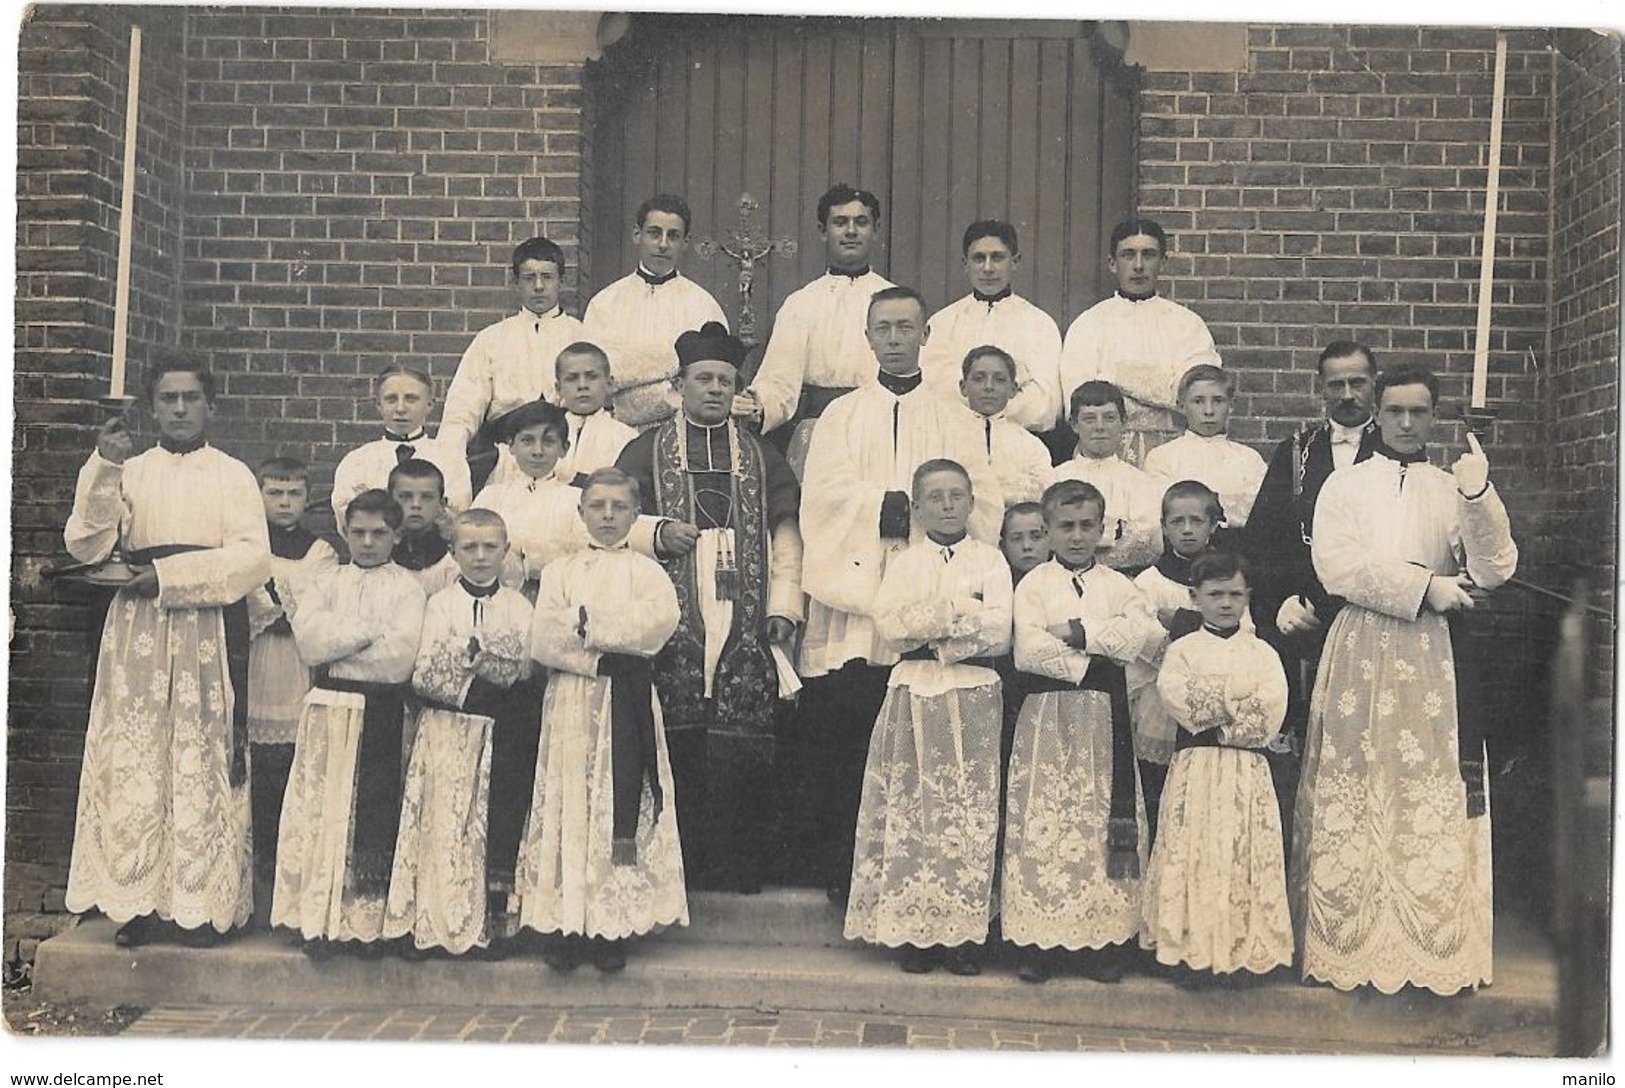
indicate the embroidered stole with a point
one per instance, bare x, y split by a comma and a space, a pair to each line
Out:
745, 685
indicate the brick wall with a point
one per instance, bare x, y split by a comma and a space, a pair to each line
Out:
72, 78
1334, 189
356, 183
1585, 348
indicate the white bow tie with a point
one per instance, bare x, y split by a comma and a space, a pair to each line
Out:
1346, 436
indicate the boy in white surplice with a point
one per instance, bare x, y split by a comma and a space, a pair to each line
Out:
1215, 892
472, 660
162, 826
600, 860
1203, 452
358, 630
404, 396
1075, 835
278, 679
922, 871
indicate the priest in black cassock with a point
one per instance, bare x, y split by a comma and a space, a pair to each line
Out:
1291, 609
733, 548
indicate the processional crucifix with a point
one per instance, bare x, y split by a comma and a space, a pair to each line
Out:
749, 246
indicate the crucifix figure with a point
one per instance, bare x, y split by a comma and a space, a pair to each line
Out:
749, 245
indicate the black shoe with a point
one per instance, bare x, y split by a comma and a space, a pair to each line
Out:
965, 960
609, 956
561, 952
407, 949
317, 948
1101, 967
918, 961
1036, 967
367, 950
204, 936
134, 933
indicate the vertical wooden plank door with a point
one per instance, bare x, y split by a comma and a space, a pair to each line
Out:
946, 121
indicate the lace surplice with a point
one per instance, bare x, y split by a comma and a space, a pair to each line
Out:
1215, 892
923, 861
159, 827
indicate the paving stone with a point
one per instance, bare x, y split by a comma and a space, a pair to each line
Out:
973, 1039
486, 1035
750, 1036
658, 1036
708, 1028
883, 1034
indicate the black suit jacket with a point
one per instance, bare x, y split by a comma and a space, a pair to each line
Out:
1279, 527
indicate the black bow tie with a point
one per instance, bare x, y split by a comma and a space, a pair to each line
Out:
479, 591
990, 299
653, 280
900, 383
170, 445
850, 273
404, 453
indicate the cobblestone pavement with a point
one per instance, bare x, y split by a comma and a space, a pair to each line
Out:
690, 1027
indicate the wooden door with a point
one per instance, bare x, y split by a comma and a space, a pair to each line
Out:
946, 121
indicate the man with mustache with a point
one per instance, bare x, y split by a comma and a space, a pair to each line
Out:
1290, 607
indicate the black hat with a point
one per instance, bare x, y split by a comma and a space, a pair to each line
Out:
504, 427
710, 342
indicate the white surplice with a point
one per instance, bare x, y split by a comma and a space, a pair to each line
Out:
368, 466
1231, 469
596, 441
1214, 895
438, 887
922, 871
159, 827
867, 443
566, 881
1154, 727
637, 324
1056, 890
543, 519
278, 678
1390, 878
363, 623
1143, 347
1016, 457
1012, 323
1133, 532
818, 340
508, 364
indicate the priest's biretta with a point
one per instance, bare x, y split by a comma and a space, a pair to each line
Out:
710, 343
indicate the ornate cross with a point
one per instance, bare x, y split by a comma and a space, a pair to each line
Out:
749, 246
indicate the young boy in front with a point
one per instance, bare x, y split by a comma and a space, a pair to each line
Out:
278, 678
1017, 457
600, 862
467, 786
1215, 892
358, 629
594, 439
1131, 537
1190, 515
1203, 452
1075, 839
404, 397
1023, 540
422, 549
922, 870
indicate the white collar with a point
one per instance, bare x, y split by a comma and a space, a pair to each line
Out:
552, 315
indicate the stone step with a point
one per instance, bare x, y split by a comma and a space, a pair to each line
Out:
682, 972
778, 917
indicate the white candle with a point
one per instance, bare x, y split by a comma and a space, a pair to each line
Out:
1492, 201
126, 222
